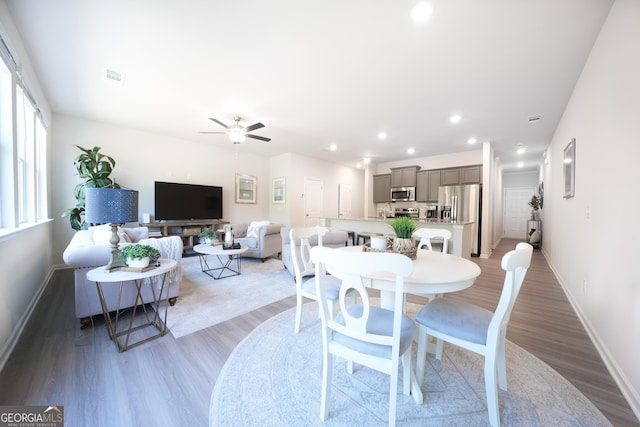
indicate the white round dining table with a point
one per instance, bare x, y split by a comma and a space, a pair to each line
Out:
433, 273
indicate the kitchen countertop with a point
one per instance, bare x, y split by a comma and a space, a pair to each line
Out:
421, 220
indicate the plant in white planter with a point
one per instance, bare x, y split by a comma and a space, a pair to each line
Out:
139, 256
208, 236
404, 228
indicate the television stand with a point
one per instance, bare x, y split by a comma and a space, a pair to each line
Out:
186, 230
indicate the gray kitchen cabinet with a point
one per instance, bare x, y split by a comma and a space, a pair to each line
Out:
427, 184
404, 177
471, 175
450, 176
381, 188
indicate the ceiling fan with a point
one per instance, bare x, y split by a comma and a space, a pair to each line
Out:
238, 133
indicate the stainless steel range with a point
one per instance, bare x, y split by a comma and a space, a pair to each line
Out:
410, 212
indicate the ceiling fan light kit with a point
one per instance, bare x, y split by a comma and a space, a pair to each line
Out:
238, 133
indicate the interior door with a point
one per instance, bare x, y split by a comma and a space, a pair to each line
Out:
517, 211
313, 194
344, 201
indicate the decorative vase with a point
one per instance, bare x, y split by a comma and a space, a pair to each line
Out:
228, 237
138, 262
403, 245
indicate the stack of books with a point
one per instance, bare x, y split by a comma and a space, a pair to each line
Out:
155, 233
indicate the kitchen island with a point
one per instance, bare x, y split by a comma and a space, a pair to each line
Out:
461, 232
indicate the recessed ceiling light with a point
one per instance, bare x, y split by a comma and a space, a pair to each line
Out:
366, 160
455, 118
520, 164
410, 150
333, 147
382, 135
358, 165
521, 150
472, 141
421, 12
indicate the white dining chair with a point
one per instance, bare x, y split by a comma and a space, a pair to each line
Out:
426, 234
303, 267
367, 335
475, 328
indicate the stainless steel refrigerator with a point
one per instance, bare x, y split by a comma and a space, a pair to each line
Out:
463, 203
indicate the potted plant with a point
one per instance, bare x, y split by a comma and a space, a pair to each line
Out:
95, 168
535, 205
208, 236
138, 255
403, 243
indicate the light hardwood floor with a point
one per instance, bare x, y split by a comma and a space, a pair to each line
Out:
168, 382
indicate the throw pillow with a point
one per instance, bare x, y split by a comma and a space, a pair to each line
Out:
252, 231
102, 234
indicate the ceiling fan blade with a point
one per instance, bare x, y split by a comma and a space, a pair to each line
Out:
261, 138
219, 122
214, 132
254, 127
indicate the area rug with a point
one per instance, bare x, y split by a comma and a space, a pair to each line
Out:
272, 378
204, 301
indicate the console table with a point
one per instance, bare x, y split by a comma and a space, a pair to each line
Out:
150, 278
186, 230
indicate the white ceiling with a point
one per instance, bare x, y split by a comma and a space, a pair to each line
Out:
318, 72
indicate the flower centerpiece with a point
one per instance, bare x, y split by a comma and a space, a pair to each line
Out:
208, 236
403, 243
139, 256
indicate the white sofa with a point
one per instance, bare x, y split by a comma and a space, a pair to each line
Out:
89, 249
333, 239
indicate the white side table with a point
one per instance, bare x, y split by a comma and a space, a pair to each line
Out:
101, 276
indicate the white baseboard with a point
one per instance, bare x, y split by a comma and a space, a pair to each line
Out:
626, 387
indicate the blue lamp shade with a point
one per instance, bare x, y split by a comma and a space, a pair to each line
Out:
110, 205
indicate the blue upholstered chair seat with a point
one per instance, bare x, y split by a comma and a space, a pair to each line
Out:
380, 323
331, 286
457, 319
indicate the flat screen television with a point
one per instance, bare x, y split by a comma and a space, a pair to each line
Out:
174, 201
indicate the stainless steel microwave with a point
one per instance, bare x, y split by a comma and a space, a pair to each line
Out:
403, 194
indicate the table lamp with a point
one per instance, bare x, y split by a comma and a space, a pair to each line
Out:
113, 206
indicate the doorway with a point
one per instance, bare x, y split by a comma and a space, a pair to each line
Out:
344, 201
517, 211
313, 195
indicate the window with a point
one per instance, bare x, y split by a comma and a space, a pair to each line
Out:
23, 150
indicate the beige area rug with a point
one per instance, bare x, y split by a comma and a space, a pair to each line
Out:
205, 302
273, 378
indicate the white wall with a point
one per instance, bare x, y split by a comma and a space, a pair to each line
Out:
142, 158
331, 175
592, 240
25, 254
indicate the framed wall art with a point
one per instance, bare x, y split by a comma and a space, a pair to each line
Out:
246, 188
278, 190
569, 167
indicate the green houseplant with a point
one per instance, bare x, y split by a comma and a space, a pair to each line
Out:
208, 235
138, 252
404, 228
95, 168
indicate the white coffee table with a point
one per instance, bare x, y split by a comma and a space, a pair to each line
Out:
225, 264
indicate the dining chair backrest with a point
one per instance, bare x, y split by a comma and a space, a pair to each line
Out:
364, 333
426, 234
515, 263
301, 247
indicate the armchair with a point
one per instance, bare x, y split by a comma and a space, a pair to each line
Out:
263, 238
